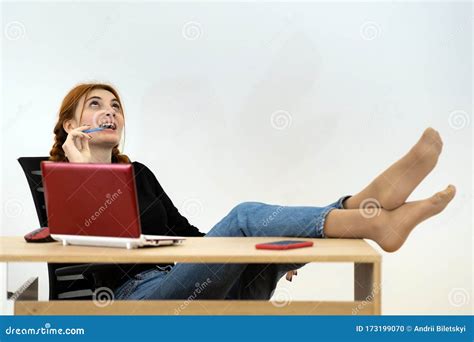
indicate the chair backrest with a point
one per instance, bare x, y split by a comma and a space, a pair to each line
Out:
32, 169
57, 288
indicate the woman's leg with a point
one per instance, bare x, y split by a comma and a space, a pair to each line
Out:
389, 229
242, 281
258, 219
219, 281
215, 281
258, 281
391, 188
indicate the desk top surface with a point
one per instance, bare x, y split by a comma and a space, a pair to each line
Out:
193, 249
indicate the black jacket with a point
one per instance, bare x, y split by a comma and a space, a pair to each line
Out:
158, 216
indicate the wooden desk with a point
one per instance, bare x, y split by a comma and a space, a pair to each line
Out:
367, 274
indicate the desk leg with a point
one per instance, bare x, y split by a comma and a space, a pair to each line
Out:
6, 306
3, 287
367, 285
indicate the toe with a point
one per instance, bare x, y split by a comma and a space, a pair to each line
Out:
430, 132
431, 144
451, 191
445, 195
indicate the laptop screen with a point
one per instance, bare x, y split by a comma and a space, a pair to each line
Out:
91, 199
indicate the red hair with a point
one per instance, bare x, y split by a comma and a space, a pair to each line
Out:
66, 112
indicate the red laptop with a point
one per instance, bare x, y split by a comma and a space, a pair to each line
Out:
95, 205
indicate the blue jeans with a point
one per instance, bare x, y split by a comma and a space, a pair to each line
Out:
233, 281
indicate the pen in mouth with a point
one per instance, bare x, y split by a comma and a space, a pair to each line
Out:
106, 125
90, 130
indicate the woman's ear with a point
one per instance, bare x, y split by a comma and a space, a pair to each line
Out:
68, 125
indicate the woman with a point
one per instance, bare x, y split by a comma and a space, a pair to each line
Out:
378, 212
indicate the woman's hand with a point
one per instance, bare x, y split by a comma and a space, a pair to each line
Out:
76, 146
289, 275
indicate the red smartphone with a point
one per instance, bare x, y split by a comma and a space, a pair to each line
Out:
286, 244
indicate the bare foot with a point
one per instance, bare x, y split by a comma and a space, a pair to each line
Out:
393, 227
392, 187
428, 147
411, 170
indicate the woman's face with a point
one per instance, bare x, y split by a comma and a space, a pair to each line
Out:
100, 107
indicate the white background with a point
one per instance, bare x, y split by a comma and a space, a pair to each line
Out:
285, 103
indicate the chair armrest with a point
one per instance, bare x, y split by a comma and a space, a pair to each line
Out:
84, 269
89, 276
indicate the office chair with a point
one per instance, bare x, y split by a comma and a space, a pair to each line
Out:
66, 281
